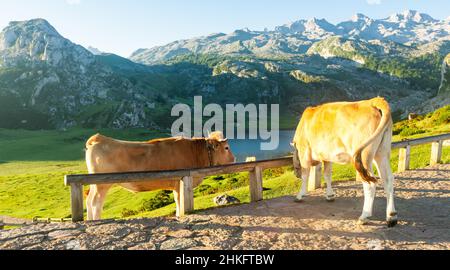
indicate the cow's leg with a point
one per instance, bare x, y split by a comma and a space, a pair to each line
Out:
176, 197
369, 197
385, 172
304, 189
327, 175
98, 198
89, 199
369, 192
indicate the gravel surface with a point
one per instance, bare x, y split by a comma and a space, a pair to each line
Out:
422, 200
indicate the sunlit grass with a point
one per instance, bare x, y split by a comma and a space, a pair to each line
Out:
33, 165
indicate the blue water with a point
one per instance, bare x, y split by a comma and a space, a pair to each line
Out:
252, 148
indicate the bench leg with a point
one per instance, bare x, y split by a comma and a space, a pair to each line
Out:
186, 193
256, 184
76, 196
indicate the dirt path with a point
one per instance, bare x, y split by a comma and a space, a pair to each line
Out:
422, 199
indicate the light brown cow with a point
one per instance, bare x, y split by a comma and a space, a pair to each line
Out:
348, 132
106, 155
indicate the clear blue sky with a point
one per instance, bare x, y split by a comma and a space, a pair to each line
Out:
122, 26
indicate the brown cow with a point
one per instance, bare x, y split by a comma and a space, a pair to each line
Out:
348, 132
106, 155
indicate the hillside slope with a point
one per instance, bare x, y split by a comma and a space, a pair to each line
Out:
47, 81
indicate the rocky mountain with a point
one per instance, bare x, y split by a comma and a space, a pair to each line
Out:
408, 28
443, 97
46, 81
37, 41
311, 29
444, 88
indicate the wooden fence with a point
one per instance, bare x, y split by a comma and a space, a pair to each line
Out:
76, 182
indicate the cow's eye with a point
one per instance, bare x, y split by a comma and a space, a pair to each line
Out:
227, 148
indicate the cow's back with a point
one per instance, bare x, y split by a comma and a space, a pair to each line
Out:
336, 128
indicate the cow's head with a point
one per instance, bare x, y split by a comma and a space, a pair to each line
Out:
219, 149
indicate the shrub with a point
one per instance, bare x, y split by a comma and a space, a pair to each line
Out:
409, 131
205, 189
161, 199
399, 127
128, 213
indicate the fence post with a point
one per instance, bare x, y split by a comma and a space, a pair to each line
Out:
403, 158
436, 152
186, 196
256, 185
315, 176
76, 198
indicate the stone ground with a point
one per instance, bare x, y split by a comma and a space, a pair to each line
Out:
422, 199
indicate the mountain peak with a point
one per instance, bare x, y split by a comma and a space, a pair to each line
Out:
411, 16
318, 21
319, 25
359, 17
37, 40
34, 25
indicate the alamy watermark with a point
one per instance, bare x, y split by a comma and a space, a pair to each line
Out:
236, 125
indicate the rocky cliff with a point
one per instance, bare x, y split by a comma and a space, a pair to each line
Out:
444, 88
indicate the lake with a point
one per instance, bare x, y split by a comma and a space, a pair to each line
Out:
252, 148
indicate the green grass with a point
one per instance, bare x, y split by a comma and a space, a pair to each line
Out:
33, 165
53, 145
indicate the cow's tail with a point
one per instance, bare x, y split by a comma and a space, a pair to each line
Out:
382, 105
96, 139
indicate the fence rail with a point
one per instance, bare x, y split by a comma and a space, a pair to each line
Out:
405, 149
256, 168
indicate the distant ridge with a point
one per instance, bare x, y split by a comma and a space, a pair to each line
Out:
408, 28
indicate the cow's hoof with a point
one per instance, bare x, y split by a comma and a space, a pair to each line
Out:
363, 221
298, 200
392, 222
330, 198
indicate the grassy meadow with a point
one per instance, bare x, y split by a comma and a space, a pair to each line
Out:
33, 165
